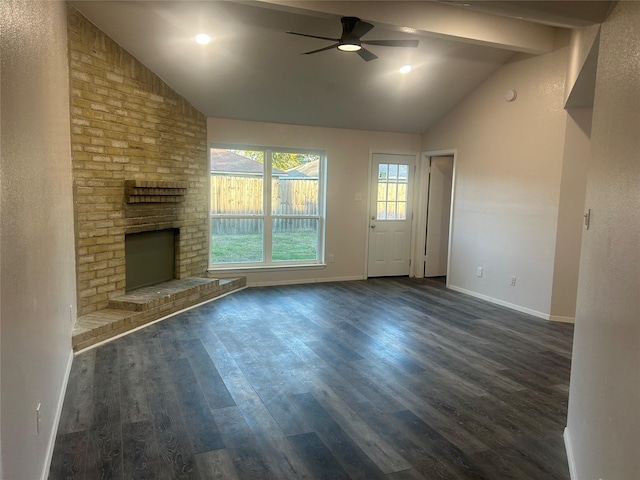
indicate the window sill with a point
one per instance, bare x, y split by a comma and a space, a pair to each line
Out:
267, 268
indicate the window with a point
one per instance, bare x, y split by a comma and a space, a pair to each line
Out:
267, 207
393, 182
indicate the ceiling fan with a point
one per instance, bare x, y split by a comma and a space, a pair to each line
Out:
350, 41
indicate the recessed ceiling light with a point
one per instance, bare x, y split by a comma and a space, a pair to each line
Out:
203, 38
405, 69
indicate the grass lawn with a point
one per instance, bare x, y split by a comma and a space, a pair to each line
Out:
247, 247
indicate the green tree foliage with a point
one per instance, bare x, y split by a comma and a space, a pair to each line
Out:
286, 161
280, 160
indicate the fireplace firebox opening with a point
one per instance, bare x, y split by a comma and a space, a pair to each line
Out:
150, 258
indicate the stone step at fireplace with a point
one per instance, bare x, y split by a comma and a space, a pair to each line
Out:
145, 305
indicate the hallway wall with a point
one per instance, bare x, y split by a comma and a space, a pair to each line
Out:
37, 279
604, 400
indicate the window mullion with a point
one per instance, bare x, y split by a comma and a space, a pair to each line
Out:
267, 186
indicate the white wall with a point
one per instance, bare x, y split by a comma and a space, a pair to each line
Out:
37, 280
603, 429
347, 174
583, 59
509, 166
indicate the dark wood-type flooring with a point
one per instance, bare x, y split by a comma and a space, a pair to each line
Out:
396, 379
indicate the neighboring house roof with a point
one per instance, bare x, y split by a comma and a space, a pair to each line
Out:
226, 161
306, 170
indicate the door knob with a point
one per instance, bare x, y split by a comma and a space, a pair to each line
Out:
373, 226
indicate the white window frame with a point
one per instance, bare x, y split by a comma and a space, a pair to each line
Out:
267, 216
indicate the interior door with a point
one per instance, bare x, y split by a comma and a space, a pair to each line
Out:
390, 214
438, 216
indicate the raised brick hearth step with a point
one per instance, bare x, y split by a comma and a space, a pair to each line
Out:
147, 298
146, 305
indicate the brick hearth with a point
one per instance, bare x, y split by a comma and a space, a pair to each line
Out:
146, 305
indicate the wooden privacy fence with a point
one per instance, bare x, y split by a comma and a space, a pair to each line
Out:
242, 195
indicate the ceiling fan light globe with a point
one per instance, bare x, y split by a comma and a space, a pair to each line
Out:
349, 47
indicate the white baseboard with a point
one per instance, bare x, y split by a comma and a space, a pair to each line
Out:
559, 318
569, 449
502, 303
270, 283
56, 419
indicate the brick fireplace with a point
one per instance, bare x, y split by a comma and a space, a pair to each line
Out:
139, 154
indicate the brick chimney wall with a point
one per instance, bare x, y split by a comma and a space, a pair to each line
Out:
128, 125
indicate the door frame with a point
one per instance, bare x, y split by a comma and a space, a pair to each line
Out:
422, 197
418, 157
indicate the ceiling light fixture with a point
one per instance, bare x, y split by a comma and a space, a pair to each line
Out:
203, 38
349, 47
405, 69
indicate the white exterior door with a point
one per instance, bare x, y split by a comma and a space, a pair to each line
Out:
390, 214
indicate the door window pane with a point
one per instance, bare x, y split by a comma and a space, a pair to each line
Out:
391, 211
392, 186
381, 213
382, 191
393, 172
403, 173
402, 192
401, 210
391, 195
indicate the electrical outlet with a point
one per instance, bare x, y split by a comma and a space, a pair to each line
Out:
479, 272
513, 281
38, 418
330, 258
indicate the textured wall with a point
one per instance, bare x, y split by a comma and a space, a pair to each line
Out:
37, 277
604, 401
508, 173
129, 125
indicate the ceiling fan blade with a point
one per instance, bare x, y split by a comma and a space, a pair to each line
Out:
366, 55
321, 49
391, 43
361, 28
314, 36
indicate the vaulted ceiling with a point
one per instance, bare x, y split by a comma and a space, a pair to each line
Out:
253, 70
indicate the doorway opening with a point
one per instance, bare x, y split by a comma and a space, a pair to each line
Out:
435, 201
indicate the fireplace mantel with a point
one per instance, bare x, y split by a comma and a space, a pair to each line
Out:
154, 191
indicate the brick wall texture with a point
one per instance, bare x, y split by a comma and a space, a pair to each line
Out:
129, 125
